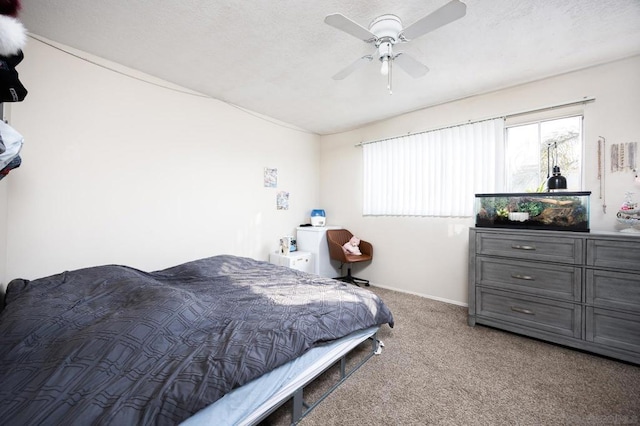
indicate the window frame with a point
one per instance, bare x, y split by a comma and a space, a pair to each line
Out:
538, 118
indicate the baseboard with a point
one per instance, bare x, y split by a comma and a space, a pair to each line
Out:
426, 296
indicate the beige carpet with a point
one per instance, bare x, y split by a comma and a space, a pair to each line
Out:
435, 369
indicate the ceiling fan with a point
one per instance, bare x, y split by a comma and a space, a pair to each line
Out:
386, 31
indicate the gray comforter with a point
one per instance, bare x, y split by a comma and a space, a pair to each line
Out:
115, 345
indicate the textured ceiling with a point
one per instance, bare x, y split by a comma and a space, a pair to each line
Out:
277, 57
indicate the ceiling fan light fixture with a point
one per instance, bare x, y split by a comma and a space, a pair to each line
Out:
385, 53
384, 69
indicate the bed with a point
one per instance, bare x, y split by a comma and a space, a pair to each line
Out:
115, 345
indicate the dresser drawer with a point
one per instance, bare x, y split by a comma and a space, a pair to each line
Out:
613, 329
545, 248
549, 280
547, 315
614, 254
615, 290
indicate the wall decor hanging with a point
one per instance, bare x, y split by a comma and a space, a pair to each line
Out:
270, 177
282, 200
624, 156
602, 149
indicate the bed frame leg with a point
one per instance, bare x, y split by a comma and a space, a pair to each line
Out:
298, 404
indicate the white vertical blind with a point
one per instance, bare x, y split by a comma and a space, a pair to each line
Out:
433, 173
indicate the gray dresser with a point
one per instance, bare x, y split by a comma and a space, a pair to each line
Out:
576, 289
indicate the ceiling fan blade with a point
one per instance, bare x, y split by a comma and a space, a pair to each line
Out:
354, 66
345, 24
448, 13
410, 65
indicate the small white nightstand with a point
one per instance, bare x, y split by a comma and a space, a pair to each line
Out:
299, 260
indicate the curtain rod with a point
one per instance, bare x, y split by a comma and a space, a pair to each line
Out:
585, 100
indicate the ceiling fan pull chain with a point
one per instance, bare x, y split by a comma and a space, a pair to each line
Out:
390, 61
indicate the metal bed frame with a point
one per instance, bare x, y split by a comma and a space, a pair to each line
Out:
300, 407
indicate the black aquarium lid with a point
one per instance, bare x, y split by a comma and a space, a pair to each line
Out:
538, 194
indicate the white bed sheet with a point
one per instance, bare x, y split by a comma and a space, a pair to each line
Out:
248, 403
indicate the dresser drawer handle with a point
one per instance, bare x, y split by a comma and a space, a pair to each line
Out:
522, 310
523, 277
519, 247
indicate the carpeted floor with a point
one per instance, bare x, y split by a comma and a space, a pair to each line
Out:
435, 369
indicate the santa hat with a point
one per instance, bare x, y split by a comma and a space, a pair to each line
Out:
10, 7
13, 35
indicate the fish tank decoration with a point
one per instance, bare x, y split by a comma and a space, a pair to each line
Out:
550, 211
629, 214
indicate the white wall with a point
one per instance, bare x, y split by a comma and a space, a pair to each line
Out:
429, 256
117, 170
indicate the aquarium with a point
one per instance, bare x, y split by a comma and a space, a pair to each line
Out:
551, 211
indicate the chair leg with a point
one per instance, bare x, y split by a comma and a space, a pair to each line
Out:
351, 279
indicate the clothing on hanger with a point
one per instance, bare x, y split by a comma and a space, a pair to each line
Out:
12, 141
11, 89
14, 164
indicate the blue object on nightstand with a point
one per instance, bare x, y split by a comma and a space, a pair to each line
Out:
317, 217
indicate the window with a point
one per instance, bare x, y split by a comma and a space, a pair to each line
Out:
532, 149
433, 173
437, 173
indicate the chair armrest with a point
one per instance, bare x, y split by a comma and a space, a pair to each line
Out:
366, 248
336, 252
